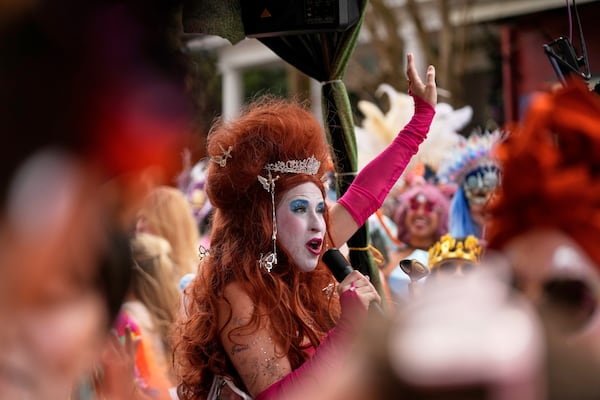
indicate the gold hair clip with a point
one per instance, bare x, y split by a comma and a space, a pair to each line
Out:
222, 159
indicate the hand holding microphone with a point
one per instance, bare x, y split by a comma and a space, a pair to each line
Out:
351, 279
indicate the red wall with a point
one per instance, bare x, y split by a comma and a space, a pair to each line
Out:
526, 67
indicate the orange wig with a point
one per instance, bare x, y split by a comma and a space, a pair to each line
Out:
551, 171
298, 304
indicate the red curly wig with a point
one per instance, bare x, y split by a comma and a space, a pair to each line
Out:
268, 130
551, 171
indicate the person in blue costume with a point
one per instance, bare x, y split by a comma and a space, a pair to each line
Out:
474, 170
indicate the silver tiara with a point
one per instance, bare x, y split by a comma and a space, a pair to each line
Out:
309, 166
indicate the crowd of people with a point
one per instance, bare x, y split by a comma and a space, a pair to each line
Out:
119, 284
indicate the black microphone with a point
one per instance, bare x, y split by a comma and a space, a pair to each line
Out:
337, 264
340, 268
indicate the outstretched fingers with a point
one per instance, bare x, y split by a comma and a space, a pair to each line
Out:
430, 77
411, 72
428, 90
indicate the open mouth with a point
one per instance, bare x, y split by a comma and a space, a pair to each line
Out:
314, 245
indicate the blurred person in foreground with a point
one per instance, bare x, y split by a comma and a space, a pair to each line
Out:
546, 223
89, 103
65, 272
468, 337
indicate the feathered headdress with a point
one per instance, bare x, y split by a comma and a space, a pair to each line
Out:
470, 154
472, 166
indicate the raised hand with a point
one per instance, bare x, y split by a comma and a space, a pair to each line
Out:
428, 90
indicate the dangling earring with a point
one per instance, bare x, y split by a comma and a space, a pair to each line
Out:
269, 260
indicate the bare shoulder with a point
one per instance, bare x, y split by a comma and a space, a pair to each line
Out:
236, 307
252, 350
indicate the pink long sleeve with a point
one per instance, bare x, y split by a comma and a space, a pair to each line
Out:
370, 187
327, 358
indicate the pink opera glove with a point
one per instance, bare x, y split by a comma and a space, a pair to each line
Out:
327, 358
373, 183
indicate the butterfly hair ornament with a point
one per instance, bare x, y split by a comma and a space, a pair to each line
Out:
222, 158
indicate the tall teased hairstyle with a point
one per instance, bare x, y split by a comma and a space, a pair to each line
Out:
551, 171
153, 283
269, 130
433, 193
170, 215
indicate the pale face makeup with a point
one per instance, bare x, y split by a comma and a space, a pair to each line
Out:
301, 224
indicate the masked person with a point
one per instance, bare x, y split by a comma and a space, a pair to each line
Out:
471, 166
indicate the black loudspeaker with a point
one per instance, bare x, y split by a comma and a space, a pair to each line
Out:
263, 18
